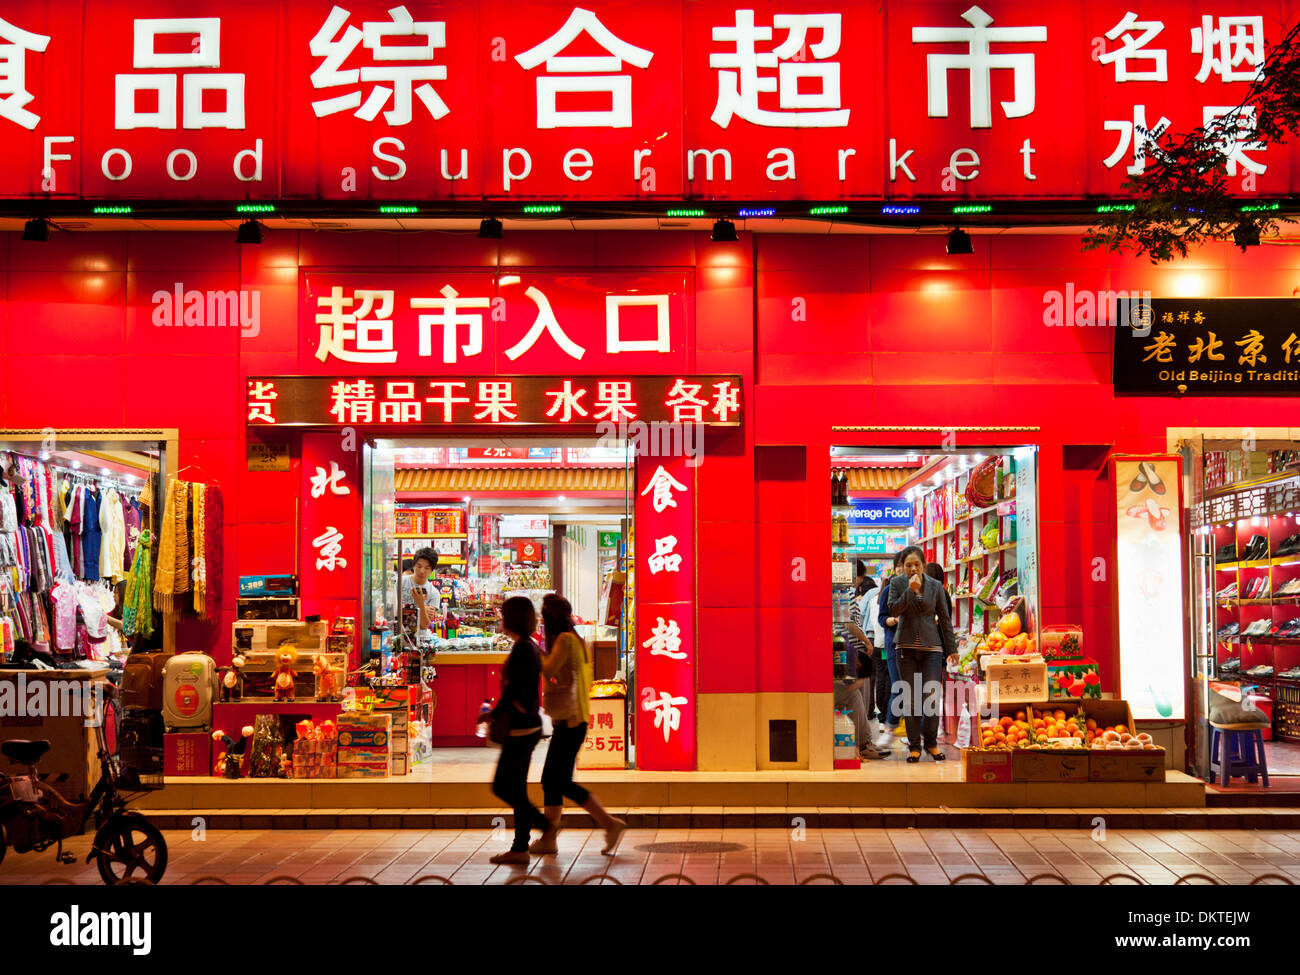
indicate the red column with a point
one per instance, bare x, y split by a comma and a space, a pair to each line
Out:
329, 544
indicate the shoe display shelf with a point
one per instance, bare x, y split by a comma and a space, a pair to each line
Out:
1256, 582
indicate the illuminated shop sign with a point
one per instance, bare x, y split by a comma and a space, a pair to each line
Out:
492, 401
880, 513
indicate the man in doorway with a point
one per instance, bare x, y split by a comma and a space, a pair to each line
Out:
850, 690
418, 591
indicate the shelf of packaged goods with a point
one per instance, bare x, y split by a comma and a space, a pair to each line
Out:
426, 535
989, 551
979, 512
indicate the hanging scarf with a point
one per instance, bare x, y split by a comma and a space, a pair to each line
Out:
198, 568
172, 577
137, 604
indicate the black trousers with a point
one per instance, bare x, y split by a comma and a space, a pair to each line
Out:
884, 687
922, 674
561, 756
510, 785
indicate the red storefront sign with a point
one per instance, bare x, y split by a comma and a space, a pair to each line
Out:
665, 613
329, 546
492, 401
527, 550
616, 101
447, 324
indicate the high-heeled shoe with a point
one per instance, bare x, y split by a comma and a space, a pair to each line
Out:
937, 755
914, 757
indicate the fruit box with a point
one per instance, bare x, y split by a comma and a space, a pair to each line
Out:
1059, 641
1106, 711
1054, 765
1127, 765
986, 764
1019, 682
1067, 679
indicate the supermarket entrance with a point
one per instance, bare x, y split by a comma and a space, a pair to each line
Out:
504, 517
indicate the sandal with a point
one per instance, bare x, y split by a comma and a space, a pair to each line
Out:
914, 757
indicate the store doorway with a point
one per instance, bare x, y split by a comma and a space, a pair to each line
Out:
504, 518
973, 515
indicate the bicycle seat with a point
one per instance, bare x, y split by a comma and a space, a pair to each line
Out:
24, 752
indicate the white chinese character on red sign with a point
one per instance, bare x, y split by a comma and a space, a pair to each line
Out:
400, 404
589, 75
14, 96
980, 62
449, 317
739, 89
335, 50
339, 326
544, 322
329, 545
496, 402
684, 398
205, 52
614, 341
1135, 49
261, 393
1233, 130
664, 558
566, 402
668, 715
662, 484
353, 402
1236, 40
331, 481
1135, 134
447, 399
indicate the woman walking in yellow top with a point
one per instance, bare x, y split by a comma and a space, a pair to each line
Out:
566, 673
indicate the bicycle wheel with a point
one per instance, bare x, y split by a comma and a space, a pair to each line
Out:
130, 849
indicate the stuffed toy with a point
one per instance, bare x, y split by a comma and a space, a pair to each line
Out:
228, 763
232, 681
327, 686
285, 658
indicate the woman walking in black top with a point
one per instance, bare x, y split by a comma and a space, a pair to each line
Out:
520, 679
923, 638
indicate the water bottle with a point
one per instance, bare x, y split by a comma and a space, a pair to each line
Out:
963, 727
484, 719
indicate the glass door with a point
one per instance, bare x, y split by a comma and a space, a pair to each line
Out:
379, 592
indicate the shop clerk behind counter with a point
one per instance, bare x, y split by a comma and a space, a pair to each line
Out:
418, 591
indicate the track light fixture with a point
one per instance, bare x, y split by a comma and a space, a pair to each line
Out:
724, 232
490, 229
959, 242
250, 232
37, 229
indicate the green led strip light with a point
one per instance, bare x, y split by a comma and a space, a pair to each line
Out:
543, 208
684, 213
1116, 208
1257, 207
255, 208
823, 211
973, 208
112, 209
394, 208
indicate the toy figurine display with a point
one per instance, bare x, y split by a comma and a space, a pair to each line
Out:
327, 680
285, 658
228, 762
232, 681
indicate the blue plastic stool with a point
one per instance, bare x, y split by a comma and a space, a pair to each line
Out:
1237, 750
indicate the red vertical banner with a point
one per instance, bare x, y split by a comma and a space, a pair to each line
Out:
329, 542
665, 614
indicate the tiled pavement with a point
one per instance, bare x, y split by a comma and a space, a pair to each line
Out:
710, 856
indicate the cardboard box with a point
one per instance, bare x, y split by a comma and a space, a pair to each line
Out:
187, 753
364, 731
1126, 765
399, 765
1106, 711
1054, 765
986, 765
1074, 679
364, 770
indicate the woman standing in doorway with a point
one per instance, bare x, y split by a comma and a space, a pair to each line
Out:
566, 668
923, 638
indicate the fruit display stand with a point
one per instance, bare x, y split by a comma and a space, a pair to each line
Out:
1066, 741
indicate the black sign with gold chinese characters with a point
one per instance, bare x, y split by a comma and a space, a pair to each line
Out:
491, 401
1211, 346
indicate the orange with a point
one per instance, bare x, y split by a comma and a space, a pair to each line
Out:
1020, 715
1006, 721
1009, 624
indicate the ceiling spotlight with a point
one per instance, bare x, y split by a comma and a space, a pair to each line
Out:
959, 242
1243, 235
489, 229
76, 465
106, 472
724, 232
45, 455
38, 229
250, 232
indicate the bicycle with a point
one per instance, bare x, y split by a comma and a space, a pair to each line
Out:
127, 847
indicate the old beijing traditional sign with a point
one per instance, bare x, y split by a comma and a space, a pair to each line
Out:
1214, 346
664, 99
492, 400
